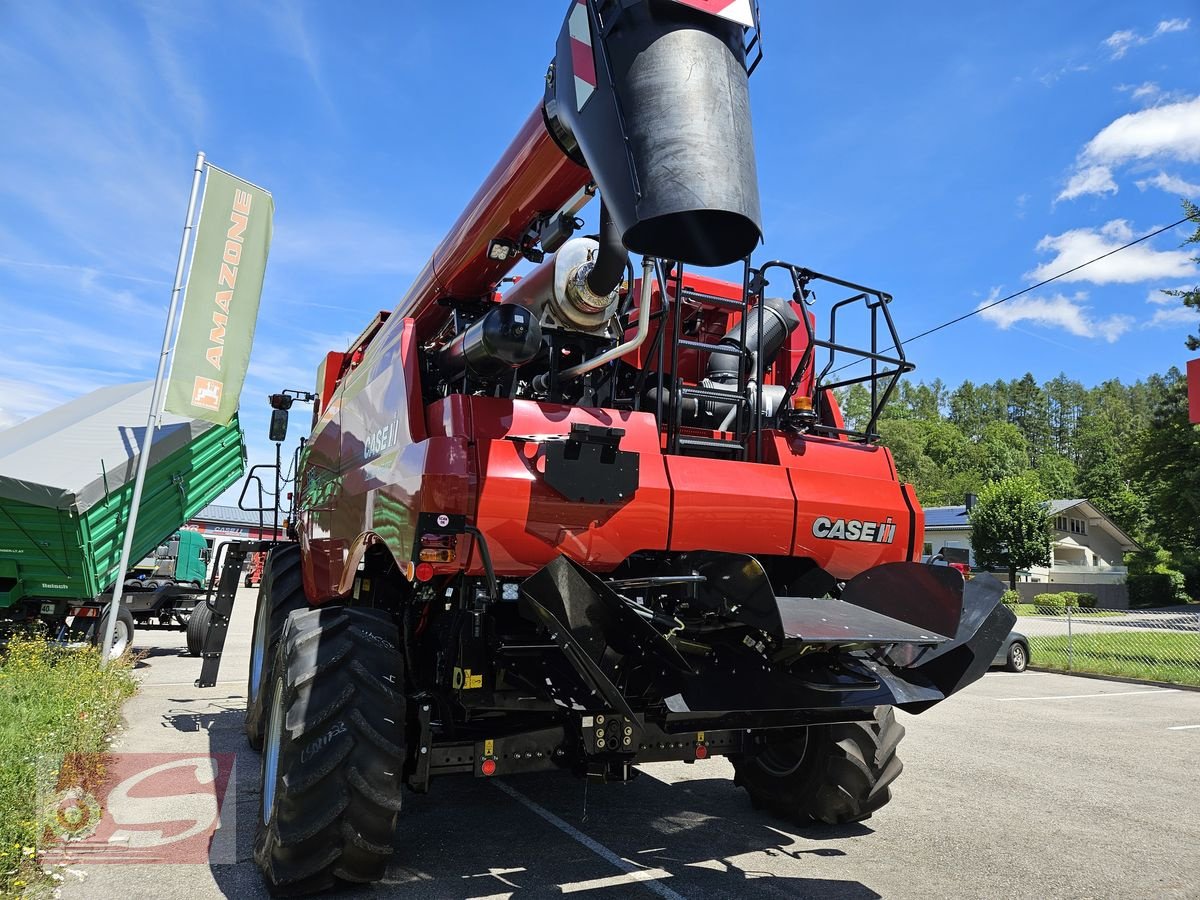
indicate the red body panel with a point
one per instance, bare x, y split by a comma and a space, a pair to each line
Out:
378, 458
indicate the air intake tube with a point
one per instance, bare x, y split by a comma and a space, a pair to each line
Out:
657, 106
779, 320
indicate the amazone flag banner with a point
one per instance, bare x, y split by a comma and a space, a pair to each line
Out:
220, 303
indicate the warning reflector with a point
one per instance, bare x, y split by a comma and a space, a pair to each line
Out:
583, 61
739, 11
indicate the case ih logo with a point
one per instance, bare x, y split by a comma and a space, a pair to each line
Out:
854, 530
141, 808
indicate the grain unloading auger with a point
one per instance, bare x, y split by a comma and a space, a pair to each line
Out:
613, 513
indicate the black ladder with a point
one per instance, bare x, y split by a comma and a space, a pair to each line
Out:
745, 421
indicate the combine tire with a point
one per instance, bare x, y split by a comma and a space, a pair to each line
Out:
333, 751
280, 591
829, 773
197, 627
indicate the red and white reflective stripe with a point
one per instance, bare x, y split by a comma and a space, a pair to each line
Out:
583, 62
739, 11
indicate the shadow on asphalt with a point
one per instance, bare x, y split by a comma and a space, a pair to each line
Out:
468, 839
145, 653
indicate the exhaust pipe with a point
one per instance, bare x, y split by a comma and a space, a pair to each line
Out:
661, 118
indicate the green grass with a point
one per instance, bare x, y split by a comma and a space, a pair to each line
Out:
53, 702
1030, 609
1171, 657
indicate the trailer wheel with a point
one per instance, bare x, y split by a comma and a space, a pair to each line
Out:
280, 592
122, 632
829, 773
197, 627
333, 751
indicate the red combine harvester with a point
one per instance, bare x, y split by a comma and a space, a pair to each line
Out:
613, 514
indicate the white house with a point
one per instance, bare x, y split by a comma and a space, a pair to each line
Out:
1087, 546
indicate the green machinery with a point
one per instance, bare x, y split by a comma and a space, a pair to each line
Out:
66, 481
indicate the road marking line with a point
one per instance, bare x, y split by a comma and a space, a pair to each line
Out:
595, 846
1181, 727
1084, 696
640, 875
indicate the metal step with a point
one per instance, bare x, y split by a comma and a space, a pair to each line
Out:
726, 349
817, 620
711, 394
708, 443
690, 294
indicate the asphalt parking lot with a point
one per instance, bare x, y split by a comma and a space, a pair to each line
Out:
1024, 785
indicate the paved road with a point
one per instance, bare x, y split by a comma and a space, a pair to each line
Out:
1034, 785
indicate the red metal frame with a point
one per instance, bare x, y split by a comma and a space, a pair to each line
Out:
378, 456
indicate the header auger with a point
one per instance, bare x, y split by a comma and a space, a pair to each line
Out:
611, 513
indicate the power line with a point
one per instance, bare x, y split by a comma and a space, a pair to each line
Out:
1032, 287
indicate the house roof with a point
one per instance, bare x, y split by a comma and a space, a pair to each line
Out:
230, 515
1089, 511
944, 518
1057, 506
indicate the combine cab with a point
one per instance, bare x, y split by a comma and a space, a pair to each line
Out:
613, 514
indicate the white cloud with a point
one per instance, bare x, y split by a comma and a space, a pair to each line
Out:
1146, 91
1168, 131
1070, 314
1158, 298
1169, 25
1172, 184
1092, 180
1171, 130
1172, 316
1138, 263
1119, 42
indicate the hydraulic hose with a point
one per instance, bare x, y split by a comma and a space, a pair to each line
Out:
611, 259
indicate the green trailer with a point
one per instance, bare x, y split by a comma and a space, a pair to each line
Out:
66, 483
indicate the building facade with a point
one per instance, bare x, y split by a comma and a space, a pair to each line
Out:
1087, 547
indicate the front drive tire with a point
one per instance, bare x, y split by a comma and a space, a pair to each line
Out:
280, 592
826, 773
333, 753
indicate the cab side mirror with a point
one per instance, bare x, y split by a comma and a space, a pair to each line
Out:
279, 423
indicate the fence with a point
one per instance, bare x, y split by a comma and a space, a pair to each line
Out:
1154, 645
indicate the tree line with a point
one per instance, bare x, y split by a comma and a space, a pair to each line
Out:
1127, 448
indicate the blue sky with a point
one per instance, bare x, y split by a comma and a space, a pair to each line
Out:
945, 152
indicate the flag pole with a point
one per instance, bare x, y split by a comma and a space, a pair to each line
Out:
110, 626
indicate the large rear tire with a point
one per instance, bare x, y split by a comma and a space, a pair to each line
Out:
280, 592
826, 773
333, 753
